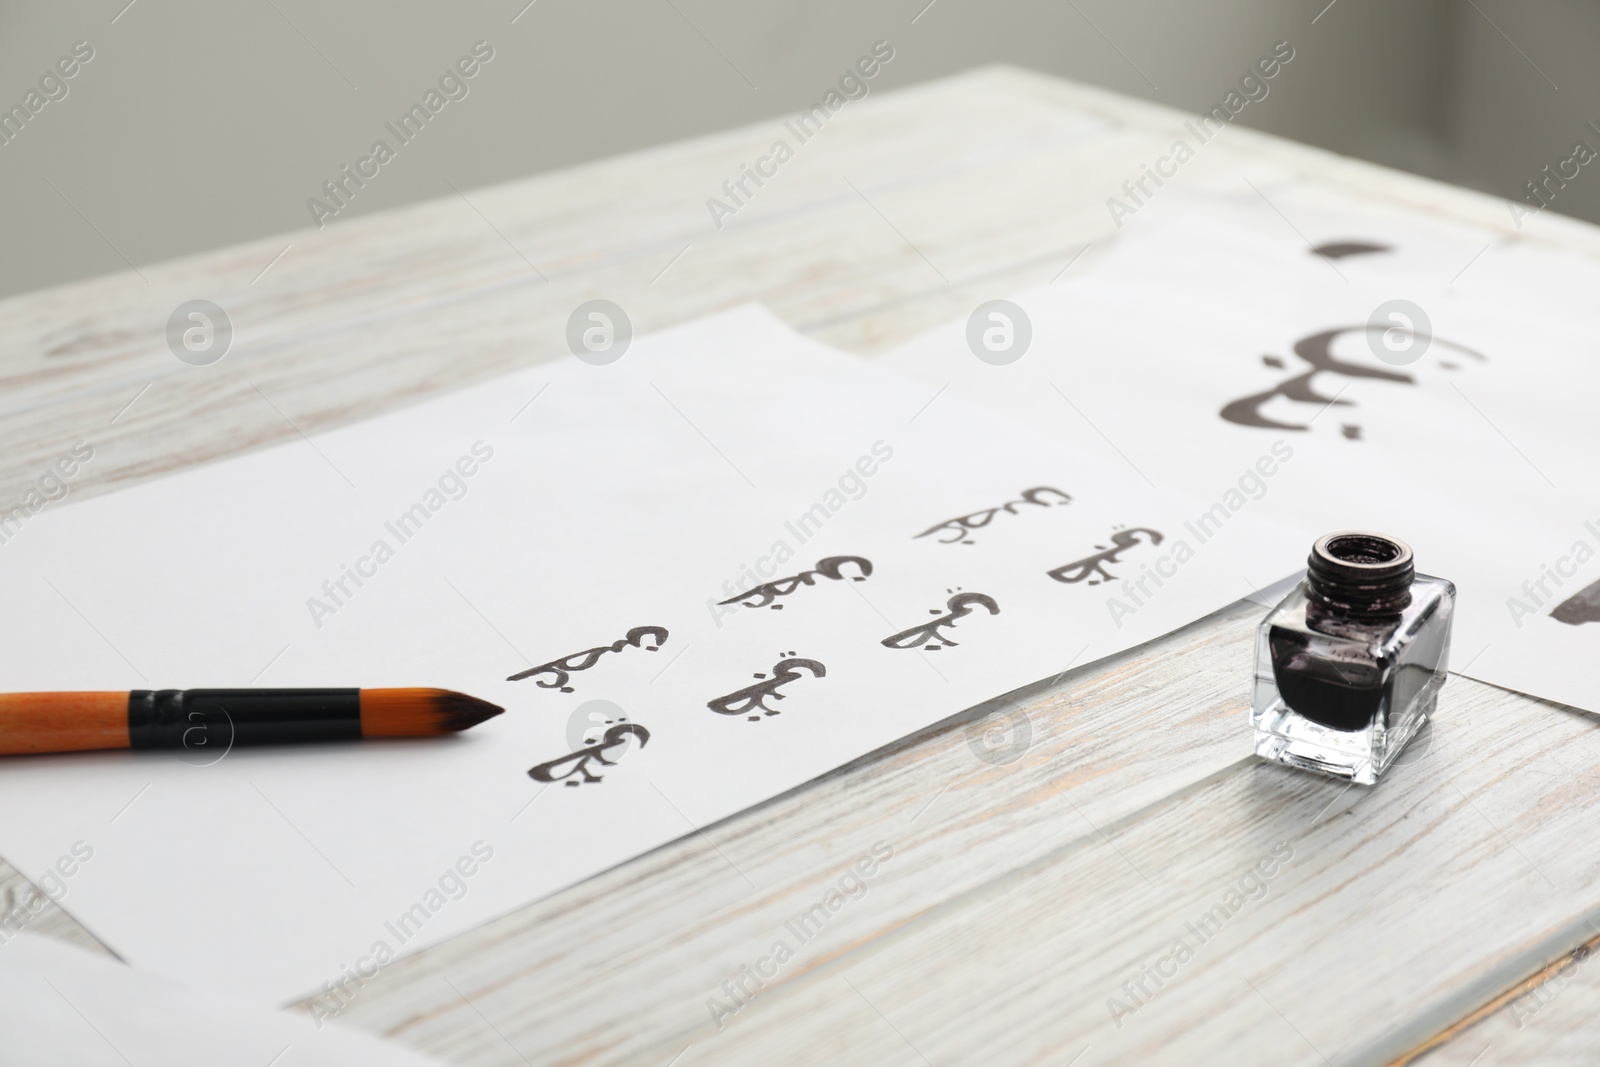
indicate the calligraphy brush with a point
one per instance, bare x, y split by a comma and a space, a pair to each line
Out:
221, 718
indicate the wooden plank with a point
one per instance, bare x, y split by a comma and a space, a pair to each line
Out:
1547, 1018
1059, 878
1018, 897
374, 313
620, 969
1402, 908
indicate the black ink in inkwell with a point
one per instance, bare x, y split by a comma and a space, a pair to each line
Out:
1349, 666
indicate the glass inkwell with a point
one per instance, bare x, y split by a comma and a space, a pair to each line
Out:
1349, 665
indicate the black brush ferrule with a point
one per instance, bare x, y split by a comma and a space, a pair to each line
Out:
216, 719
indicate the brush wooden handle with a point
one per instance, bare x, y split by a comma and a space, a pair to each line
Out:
62, 722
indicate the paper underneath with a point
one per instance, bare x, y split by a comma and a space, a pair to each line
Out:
601, 501
1213, 335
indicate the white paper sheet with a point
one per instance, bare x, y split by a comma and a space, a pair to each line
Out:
62, 1005
630, 495
1480, 453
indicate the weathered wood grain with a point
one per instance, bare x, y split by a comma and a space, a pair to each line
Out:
1019, 897
1546, 1019
1099, 750
1060, 877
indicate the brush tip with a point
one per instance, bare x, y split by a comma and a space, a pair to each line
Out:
466, 712
414, 712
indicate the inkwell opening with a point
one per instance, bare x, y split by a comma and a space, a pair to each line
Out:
1359, 576
1356, 583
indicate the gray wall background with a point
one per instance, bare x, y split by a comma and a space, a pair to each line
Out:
200, 123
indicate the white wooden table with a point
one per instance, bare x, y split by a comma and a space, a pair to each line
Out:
1415, 919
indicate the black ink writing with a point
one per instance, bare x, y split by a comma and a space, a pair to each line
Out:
1579, 608
561, 670
929, 635
1093, 568
1317, 352
960, 528
591, 758
832, 567
752, 697
1341, 249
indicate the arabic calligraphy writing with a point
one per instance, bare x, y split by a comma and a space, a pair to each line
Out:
1579, 608
752, 697
929, 635
960, 528
1317, 352
586, 761
561, 670
1093, 568
832, 567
